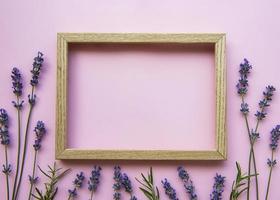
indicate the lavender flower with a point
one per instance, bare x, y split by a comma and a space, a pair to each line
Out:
268, 93
275, 134
244, 108
33, 180
117, 196
254, 135
17, 87
94, 179
271, 163
39, 132
17, 83
72, 193
118, 183
218, 187
37, 64
126, 183
32, 99
7, 169
188, 184
191, 190
4, 133
242, 85
78, 183
169, 190
183, 174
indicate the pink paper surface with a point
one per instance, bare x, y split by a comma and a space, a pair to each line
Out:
252, 29
141, 97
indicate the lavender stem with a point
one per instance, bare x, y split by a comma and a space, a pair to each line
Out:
25, 146
18, 150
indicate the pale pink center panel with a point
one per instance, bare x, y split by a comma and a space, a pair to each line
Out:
141, 97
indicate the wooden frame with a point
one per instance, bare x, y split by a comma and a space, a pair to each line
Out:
64, 39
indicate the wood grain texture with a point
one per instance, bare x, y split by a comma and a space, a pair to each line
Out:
63, 39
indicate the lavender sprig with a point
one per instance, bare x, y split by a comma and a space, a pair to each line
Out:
188, 184
94, 180
126, 183
242, 85
271, 162
118, 183
39, 131
35, 72
17, 87
169, 190
18, 104
78, 183
218, 187
5, 140
267, 97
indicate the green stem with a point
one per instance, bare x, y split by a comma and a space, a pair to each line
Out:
33, 174
269, 178
91, 195
7, 175
25, 145
18, 150
251, 157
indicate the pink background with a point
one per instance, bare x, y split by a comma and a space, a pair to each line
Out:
141, 97
252, 31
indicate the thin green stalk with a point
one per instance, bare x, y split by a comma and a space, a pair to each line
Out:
7, 175
33, 174
269, 178
251, 157
25, 145
91, 195
18, 150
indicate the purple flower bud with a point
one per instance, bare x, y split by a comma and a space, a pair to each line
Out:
37, 64
169, 190
218, 187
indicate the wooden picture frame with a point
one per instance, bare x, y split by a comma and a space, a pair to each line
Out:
64, 39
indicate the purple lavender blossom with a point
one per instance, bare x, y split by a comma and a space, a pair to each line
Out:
254, 135
32, 99
242, 85
7, 169
117, 196
126, 183
16, 81
17, 87
268, 93
4, 133
40, 131
244, 108
32, 180
169, 190
5, 138
188, 184
218, 187
78, 183
118, 183
72, 193
94, 179
275, 135
37, 64
271, 163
